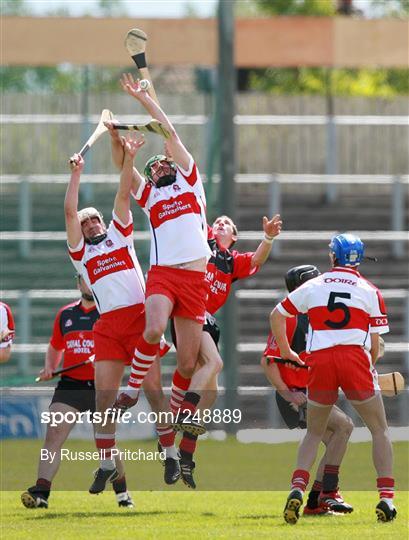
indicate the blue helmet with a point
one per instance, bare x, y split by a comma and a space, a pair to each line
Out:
347, 248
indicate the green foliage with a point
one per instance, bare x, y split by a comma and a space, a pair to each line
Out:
391, 8
112, 8
344, 82
297, 7
13, 8
59, 79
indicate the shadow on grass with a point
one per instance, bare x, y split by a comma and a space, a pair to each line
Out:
87, 515
261, 516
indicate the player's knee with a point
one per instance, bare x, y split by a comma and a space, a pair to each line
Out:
186, 369
216, 365
153, 333
346, 427
55, 437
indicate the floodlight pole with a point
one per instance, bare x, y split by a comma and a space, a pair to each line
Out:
226, 96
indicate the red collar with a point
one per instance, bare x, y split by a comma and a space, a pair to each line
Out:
343, 269
84, 309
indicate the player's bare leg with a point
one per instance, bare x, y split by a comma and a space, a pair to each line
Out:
317, 419
373, 414
204, 380
152, 386
108, 376
339, 429
37, 496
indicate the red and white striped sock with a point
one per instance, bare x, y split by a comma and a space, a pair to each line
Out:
105, 443
166, 437
386, 488
144, 356
300, 480
180, 385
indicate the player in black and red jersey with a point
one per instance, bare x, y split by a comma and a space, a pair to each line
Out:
72, 339
291, 389
225, 266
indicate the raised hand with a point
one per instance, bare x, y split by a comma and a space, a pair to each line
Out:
76, 163
132, 87
112, 131
133, 144
272, 227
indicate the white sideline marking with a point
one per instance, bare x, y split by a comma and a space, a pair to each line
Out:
277, 436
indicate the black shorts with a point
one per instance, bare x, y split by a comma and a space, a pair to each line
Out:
292, 418
210, 326
75, 393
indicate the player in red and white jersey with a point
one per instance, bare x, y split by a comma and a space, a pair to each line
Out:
7, 331
225, 266
176, 212
173, 198
72, 342
347, 315
108, 262
291, 389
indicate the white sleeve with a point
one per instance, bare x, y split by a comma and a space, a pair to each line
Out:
378, 315
123, 230
296, 302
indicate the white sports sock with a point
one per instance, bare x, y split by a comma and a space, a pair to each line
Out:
132, 392
170, 452
107, 464
389, 502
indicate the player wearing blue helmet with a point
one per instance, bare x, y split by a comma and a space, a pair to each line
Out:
347, 249
346, 314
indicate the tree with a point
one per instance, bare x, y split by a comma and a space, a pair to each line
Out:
347, 82
14, 7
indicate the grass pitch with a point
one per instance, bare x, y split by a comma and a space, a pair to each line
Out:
162, 515
253, 480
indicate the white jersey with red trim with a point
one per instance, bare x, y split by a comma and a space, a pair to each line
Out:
177, 216
343, 309
6, 326
111, 268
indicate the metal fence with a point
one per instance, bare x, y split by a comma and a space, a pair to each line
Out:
285, 134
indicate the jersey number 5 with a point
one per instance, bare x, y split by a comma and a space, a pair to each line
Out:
334, 306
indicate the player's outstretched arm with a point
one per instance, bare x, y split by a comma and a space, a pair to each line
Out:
72, 223
117, 144
126, 182
271, 228
180, 155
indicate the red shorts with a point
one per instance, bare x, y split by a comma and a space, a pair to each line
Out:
345, 366
117, 332
186, 289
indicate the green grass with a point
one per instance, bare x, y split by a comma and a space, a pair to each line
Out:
159, 515
252, 480
227, 465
